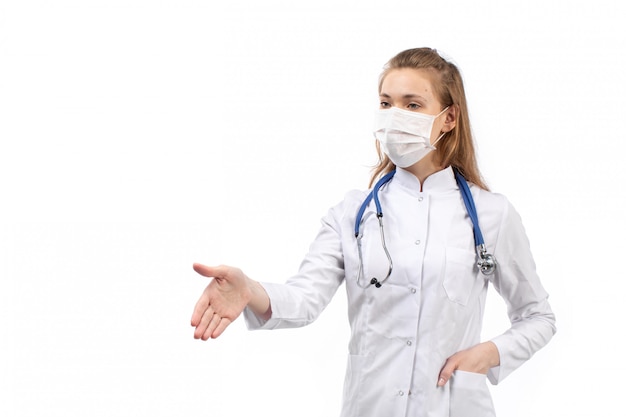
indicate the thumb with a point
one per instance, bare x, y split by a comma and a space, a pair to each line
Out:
220, 273
207, 271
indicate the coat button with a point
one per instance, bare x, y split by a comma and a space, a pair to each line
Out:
401, 393
409, 343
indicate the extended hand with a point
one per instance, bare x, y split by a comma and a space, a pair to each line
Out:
222, 301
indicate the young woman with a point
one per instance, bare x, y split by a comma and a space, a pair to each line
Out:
417, 253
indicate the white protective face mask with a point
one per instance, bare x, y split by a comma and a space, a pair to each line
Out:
405, 135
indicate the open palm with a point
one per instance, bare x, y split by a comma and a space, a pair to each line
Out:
222, 301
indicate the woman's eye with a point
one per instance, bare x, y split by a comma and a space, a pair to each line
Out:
384, 105
413, 106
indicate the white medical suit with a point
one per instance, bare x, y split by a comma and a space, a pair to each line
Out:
431, 306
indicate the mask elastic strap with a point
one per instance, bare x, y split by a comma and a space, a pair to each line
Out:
440, 136
437, 140
441, 112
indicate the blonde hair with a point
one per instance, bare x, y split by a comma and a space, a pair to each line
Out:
456, 147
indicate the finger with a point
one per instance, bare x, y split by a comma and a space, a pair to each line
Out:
445, 374
200, 308
221, 327
205, 320
215, 320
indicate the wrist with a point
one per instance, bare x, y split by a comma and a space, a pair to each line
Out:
258, 301
493, 354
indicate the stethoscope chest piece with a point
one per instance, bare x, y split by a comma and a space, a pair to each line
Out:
486, 261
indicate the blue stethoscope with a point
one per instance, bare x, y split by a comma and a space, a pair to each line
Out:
486, 262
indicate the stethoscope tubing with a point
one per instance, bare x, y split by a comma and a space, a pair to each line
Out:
486, 262
373, 194
471, 208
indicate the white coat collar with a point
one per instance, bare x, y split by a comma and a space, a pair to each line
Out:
439, 182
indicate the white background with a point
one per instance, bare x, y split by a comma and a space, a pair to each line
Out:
138, 137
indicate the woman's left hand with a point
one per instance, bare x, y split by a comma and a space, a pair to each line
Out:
478, 359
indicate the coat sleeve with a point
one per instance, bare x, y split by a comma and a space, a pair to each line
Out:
301, 299
516, 280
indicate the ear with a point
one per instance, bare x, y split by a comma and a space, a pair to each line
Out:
451, 116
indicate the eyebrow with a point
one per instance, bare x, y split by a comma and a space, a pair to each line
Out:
406, 96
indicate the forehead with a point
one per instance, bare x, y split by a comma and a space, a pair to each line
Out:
404, 81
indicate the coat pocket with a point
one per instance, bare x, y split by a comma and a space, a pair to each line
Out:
470, 396
459, 274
